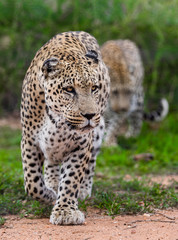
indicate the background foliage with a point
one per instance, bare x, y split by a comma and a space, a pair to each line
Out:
25, 25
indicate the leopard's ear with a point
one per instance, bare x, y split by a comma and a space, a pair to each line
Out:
93, 55
50, 66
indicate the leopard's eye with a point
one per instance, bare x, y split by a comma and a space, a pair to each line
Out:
69, 89
115, 92
127, 92
94, 88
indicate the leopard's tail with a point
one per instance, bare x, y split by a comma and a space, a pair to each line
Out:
159, 114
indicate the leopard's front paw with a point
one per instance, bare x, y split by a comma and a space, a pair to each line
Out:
84, 193
66, 217
128, 134
110, 143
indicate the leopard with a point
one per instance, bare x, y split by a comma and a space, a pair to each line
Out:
64, 95
126, 104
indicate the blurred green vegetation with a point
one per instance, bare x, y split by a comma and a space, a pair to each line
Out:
152, 139
25, 25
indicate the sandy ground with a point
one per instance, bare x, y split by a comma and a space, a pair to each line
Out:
12, 122
159, 226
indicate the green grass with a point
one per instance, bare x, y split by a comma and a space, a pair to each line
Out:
162, 142
111, 192
132, 197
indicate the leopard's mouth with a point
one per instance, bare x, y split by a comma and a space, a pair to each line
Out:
88, 127
84, 128
83, 124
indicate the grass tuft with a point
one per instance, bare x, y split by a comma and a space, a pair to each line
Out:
133, 197
2, 221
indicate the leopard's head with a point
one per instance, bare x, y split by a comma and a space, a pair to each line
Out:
76, 87
121, 97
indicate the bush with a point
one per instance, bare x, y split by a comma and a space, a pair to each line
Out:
26, 25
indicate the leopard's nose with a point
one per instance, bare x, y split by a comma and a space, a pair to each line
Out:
123, 109
89, 116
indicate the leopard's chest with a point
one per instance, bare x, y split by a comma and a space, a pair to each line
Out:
57, 141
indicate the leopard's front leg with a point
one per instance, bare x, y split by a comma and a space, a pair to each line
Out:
72, 172
51, 175
135, 124
136, 115
113, 129
33, 159
86, 187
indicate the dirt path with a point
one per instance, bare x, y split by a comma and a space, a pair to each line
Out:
12, 122
160, 226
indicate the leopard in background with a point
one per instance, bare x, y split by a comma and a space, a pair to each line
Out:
123, 59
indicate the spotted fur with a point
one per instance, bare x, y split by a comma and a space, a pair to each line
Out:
64, 96
126, 103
